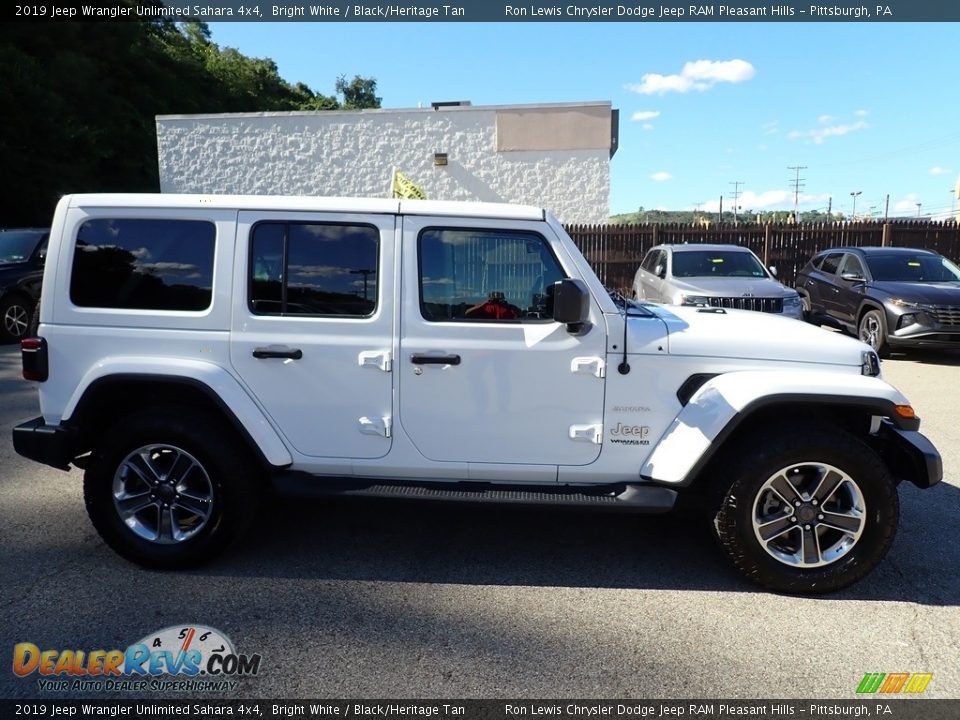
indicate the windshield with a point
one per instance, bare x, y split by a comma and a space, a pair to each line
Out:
716, 263
912, 268
17, 247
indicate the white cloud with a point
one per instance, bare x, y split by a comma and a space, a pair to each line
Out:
907, 204
818, 135
661, 176
778, 199
939, 170
824, 119
647, 126
697, 75
645, 115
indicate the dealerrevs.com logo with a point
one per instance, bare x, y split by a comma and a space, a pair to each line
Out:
178, 658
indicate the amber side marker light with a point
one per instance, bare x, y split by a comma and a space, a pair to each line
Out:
905, 411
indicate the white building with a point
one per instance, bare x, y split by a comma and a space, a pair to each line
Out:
554, 156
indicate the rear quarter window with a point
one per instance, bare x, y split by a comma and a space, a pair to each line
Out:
145, 264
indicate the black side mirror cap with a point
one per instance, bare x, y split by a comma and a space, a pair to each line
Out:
571, 302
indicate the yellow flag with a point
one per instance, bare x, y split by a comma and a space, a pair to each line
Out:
405, 188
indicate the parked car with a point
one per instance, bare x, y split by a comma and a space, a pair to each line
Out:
727, 276
889, 297
22, 254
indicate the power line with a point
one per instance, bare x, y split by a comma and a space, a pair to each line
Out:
797, 185
736, 197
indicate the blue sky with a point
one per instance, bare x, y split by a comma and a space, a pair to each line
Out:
865, 107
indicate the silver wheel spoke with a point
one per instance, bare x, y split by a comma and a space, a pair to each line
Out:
180, 468
844, 522
194, 506
132, 504
166, 524
142, 465
782, 486
828, 486
775, 528
810, 543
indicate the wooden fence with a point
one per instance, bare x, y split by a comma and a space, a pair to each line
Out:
615, 251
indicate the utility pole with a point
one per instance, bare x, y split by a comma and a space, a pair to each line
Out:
797, 183
918, 208
886, 209
736, 197
853, 214
830, 208
720, 214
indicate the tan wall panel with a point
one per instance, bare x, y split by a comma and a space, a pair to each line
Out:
585, 128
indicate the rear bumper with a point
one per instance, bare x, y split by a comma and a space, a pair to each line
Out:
53, 445
910, 456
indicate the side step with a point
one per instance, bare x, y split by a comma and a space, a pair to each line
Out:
625, 497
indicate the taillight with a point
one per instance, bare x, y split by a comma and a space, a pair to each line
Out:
33, 352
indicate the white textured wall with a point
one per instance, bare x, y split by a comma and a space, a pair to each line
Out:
353, 153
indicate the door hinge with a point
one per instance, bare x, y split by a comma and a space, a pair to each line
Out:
375, 426
379, 359
592, 365
589, 433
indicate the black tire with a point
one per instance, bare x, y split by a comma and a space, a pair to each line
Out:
227, 473
15, 318
872, 329
34, 329
803, 450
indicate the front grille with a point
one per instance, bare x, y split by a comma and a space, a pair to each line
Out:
770, 305
945, 314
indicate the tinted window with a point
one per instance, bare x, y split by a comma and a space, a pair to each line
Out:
143, 264
716, 263
913, 268
17, 246
313, 269
831, 263
853, 266
486, 275
650, 261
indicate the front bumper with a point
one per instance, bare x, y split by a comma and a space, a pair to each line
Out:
910, 455
53, 445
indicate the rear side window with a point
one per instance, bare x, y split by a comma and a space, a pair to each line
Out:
313, 269
831, 263
144, 264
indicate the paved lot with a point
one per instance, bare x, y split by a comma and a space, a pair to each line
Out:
377, 600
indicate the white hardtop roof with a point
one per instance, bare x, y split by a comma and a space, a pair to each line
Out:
309, 203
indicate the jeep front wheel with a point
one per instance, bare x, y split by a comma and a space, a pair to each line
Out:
808, 512
170, 487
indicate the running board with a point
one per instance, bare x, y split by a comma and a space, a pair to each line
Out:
625, 497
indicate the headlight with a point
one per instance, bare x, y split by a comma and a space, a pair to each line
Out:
791, 302
903, 303
694, 300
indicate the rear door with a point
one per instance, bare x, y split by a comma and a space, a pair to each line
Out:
821, 285
312, 327
849, 290
485, 374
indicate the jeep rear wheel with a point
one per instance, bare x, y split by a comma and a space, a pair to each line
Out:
810, 512
170, 487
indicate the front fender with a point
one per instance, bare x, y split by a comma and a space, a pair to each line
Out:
220, 385
715, 410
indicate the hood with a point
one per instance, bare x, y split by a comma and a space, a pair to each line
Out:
944, 293
732, 287
752, 335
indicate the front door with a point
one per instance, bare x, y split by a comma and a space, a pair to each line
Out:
313, 327
485, 374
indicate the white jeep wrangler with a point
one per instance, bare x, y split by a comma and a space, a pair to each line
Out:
196, 350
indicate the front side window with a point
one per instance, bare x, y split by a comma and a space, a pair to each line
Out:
486, 275
852, 266
144, 264
650, 261
313, 269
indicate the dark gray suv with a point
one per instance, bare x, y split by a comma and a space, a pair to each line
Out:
21, 274
888, 296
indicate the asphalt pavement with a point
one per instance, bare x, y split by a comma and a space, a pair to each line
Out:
375, 599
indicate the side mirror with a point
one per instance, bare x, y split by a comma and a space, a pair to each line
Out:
660, 271
852, 277
773, 270
571, 302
